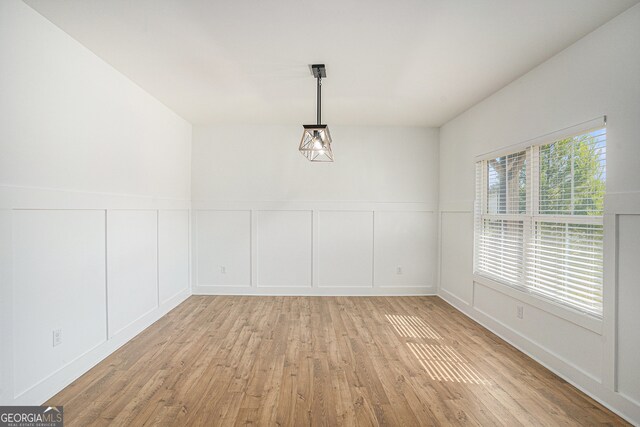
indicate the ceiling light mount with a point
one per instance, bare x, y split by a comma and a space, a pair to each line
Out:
318, 71
316, 139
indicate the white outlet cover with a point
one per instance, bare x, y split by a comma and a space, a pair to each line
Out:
57, 337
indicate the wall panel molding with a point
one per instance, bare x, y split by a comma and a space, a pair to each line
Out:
345, 249
132, 266
622, 203
405, 248
318, 272
313, 206
456, 206
222, 248
6, 306
625, 348
174, 248
39, 389
284, 248
59, 259
58, 380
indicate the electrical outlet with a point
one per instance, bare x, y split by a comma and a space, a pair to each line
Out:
520, 312
399, 269
57, 337
223, 269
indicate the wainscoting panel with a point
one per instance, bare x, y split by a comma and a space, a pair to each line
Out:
405, 246
284, 248
58, 284
85, 264
173, 253
314, 248
223, 248
345, 242
628, 375
456, 254
132, 266
564, 339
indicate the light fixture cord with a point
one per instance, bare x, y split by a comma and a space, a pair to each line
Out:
319, 98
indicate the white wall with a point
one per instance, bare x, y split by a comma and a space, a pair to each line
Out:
278, 224
598, 75
94, 207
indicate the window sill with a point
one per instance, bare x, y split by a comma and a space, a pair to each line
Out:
574, 316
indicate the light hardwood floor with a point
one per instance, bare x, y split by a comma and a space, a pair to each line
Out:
297, 361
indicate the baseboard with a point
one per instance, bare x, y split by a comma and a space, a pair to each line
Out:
450, 297
49, 386
321, 291
614, 401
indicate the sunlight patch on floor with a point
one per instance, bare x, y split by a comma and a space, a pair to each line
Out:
444, 363
412, 327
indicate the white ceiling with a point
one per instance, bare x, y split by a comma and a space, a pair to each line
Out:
402, 62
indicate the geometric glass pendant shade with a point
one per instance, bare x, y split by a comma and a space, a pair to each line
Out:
315, 144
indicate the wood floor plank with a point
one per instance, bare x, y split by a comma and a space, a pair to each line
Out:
335, 361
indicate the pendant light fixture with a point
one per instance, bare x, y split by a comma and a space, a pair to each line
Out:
316, 139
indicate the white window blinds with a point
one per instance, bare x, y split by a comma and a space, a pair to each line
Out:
539, 219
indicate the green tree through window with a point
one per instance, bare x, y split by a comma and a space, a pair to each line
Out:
572, 176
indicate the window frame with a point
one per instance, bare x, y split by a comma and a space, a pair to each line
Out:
530, 217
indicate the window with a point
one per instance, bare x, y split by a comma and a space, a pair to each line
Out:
539, 220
